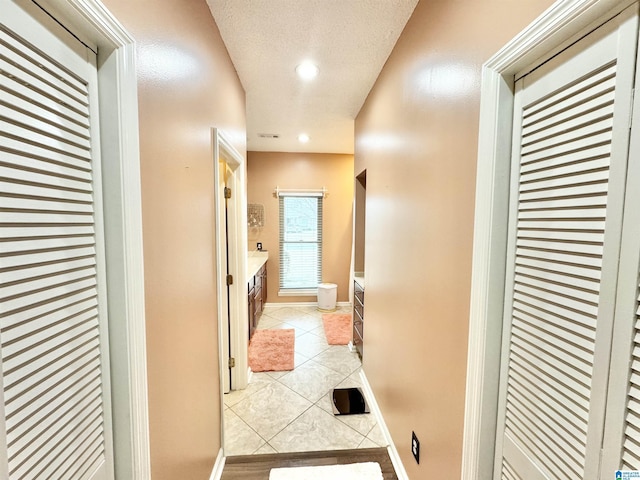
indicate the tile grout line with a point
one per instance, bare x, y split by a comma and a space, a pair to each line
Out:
304, 411
346, 424
252, 429
319, 334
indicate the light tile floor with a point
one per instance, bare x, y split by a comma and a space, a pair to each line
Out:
291, 411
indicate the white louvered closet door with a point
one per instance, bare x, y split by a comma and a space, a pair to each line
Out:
622, 434
569, 165
621, 446
54, 365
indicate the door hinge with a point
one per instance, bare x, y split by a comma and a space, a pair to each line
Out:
229, 280
232, 362
227, 192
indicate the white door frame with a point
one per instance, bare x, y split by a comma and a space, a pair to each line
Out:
118, 105
237, 247
562, 24
222, 266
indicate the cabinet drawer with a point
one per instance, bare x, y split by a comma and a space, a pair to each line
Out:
358, 293
258, 306
359, 311
358, 329
357, 341
358, 344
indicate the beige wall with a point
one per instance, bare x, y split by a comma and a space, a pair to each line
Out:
416, 136
187, 84
265, 171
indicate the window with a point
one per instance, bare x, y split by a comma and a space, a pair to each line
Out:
300, 243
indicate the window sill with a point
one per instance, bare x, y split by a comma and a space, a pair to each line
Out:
298, 292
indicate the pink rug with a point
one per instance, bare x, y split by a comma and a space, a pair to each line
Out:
337, 328
272, 350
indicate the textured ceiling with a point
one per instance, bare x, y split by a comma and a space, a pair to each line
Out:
349, 40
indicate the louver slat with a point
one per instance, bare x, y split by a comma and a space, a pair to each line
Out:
582, 283
66, 83
63, 166
556, 103
23, 107
50, 337
527, 424
44, 126
508, 472
45, 177
553, 406
43, 140
570, 270
631, 444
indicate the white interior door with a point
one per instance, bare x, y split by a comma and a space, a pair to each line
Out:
223, 252
569, 165
53, 342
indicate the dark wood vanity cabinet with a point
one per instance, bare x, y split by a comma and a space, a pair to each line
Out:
358, 318
257, 288
252, 313
258, 294
264, 285
251, 305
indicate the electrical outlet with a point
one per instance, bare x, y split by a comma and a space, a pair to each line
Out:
415, 447
259, 246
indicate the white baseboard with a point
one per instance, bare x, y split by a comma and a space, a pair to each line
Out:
218, 467
303, 304
375, 409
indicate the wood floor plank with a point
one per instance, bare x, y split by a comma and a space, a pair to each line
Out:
257, 467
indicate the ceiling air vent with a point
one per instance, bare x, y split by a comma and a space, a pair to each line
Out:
268, 135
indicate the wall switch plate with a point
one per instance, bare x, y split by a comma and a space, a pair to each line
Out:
259, 246
415, 447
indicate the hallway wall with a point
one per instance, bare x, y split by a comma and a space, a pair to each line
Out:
416, 136
186, 85
265, 171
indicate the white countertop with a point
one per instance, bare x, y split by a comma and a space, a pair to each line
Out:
359, 279
255, 260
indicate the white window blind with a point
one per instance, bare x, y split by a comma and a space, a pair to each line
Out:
300, 241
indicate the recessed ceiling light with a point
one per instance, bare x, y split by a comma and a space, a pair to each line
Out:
307, 70
303, 137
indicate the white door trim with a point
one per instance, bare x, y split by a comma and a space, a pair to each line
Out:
237, 251
237, 241
563, 23
118, 103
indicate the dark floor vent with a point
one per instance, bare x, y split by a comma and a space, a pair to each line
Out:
348, 401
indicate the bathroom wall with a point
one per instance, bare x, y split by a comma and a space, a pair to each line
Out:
265, 171
186, 85
416, 136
